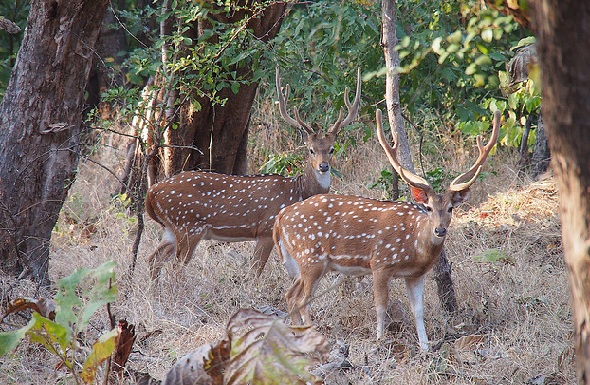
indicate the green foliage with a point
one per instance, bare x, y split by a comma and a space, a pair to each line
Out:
79, 296
283, 164
17, 12
319, 49
384, 183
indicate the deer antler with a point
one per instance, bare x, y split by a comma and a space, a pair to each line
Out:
297, 122
464, 181
391, 152
353, 108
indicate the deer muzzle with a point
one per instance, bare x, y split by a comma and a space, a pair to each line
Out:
440, 231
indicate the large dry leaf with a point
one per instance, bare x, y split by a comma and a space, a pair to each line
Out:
45, 307
126, 338
190, 370
264, 350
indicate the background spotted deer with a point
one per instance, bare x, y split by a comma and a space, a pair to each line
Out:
193, 205
357, 236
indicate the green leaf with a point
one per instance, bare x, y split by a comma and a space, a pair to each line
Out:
436, 45
102, 349
526, 41
10, 340
74, 313
48, 333
455, 37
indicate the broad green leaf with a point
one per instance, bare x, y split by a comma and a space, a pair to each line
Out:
74, 312
48, 333
103, 291
101, 350
10, 340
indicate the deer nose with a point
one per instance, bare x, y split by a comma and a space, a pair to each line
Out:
324, 167
440, 232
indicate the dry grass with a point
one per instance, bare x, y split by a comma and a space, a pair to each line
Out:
515, 309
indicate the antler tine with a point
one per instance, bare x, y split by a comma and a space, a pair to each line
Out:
283, 107
353, 108
391, 152
464, 181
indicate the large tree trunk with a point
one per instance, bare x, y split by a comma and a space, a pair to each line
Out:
566, 112
442, 270
40, 120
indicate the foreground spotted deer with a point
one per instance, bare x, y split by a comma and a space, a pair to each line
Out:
193, 205
357, 236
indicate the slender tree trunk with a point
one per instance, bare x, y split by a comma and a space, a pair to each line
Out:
442, 270
566, 92
541, 153
40, 125
394, 111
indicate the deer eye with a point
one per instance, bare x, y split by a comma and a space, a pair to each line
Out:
331, 150
311, 151
450, 210
429, 209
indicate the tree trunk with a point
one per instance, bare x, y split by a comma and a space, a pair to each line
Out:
541, 154
442, 270
40, 120
566, 92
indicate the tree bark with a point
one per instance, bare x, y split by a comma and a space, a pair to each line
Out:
442, 269
566, 92
40, 120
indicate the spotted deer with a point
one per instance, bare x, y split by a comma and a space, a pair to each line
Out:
194, 205
357, 236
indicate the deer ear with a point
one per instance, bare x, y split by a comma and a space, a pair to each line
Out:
419, 195
459, 197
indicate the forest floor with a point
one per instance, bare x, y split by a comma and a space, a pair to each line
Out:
514, 320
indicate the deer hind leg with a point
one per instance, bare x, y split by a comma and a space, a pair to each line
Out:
293, 306
261, 253
381, 294
165, 250
415, 288
187, 243
303, 290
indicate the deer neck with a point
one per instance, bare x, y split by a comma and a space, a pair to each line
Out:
313, 182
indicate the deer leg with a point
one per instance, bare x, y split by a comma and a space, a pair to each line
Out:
381, 294
309, 283
261, 253
291, 296
187, 243
415, 288
163, 252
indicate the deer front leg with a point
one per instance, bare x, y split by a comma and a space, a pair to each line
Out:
261, 253
415, 288
381, 294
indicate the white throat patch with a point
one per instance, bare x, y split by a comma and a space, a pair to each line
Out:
323, 178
